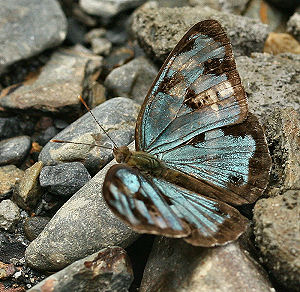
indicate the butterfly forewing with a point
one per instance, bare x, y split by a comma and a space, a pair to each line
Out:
156, 206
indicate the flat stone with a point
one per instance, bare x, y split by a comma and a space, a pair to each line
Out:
277, 235
28, 27
56, 88
159, 29
83, 225
9, 215
293, 25
64, 179
33, 226
101, 46
9, 175
132, 80
174, 265
270, 81
28, 191
14, 150
106, 270
117, 116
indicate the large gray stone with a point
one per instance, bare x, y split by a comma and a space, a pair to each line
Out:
28, 27
158, 29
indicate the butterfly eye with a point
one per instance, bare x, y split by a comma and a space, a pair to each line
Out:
121, 154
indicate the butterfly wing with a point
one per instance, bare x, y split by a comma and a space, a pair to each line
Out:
186, 116
153, 205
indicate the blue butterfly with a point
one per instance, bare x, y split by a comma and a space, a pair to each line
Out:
198, 150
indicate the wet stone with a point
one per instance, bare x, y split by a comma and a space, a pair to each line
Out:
154, 26
106, 270
14, 150
270, 81
33, 226
101, 46
83, 225
9, 175
117, 116
9, 215
277, 234
56, 88
64, 179
132, 80
21, 23
28, 191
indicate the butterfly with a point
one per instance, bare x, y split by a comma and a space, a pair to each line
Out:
199, 153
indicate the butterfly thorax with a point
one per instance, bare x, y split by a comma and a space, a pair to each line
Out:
141, 160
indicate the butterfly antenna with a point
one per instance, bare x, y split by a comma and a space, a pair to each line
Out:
80, 143
89, 110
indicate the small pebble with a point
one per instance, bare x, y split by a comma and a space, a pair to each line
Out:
9, 215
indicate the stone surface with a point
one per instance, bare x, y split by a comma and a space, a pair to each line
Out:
293, 25
9, 127
106, 270
107, 9
158, 30
48, 134
270, 81
56, 88
28, 191
9, 175
14, 150
132, 80
6, 270
9, 215
174, 265
277, 43
94, 34
33, 226
101, 46
28, 27
229, 6
83, 225
277, 234
117, 116
64, 179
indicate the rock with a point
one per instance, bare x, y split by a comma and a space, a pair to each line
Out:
174, 265
106, 270
101, 46
60, 124
278, 43
28, 27
6, 270
229, 6
9, 215
117, 116
28, 191
97, 94
277, 236
64, 179
9, 175
132, 80
33, 226
83, 225
108, 9
48, 134
158, 30
270, 81
94, 34
14, 150
293, 25
56, 88
9, 127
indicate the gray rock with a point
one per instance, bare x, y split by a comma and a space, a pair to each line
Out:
56, 88
9, 175
14, 150
293, 25
132, 80
117, 116
9, 127
101, 46
158, 30
170, 3
64, 179
83, 225
277, 235
106, 270
9, 215
270, 81
174, 265
48, 134
107, 9
28, 191
28, 27
33, 226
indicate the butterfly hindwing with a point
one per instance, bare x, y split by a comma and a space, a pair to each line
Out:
156, 206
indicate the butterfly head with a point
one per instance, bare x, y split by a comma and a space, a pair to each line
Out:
121, 154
